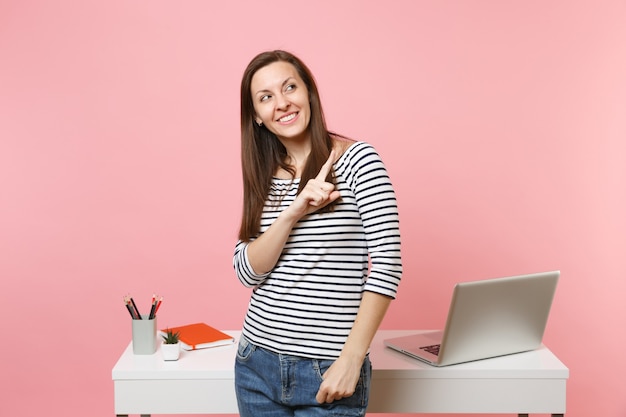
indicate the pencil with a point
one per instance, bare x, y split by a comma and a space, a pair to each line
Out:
158, 305
130, 309
153, 308
136, 309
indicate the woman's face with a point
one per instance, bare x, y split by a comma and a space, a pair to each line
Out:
281, 101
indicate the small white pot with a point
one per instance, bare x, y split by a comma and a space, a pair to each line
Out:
170, 352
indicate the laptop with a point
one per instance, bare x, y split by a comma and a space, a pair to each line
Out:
487, 318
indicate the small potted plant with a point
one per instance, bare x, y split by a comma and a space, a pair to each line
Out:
170, 349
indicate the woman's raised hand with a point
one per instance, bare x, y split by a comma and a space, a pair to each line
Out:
317, 193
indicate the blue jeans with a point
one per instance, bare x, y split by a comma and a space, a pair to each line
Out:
269, 384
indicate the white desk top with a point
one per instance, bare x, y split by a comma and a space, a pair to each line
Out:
218, 363
530, 382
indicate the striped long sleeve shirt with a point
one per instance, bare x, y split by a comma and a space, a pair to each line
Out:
306, 305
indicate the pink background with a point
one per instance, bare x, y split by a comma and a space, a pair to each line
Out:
502, 123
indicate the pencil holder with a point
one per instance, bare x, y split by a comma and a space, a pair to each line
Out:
144, 336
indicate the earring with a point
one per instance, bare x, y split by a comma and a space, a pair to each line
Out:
259, 123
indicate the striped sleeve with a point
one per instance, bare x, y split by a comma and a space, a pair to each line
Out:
367, 176
242, 266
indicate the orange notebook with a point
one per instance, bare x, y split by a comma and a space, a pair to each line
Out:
200, 336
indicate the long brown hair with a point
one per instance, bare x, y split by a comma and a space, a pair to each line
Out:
261, 151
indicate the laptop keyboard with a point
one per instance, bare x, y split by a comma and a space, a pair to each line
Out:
433, 349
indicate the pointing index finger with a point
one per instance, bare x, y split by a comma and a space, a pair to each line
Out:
326, 167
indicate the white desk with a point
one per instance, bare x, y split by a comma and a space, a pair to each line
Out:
201, 382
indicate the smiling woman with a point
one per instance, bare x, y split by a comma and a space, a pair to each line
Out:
281, 103
263, 155
317, 208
